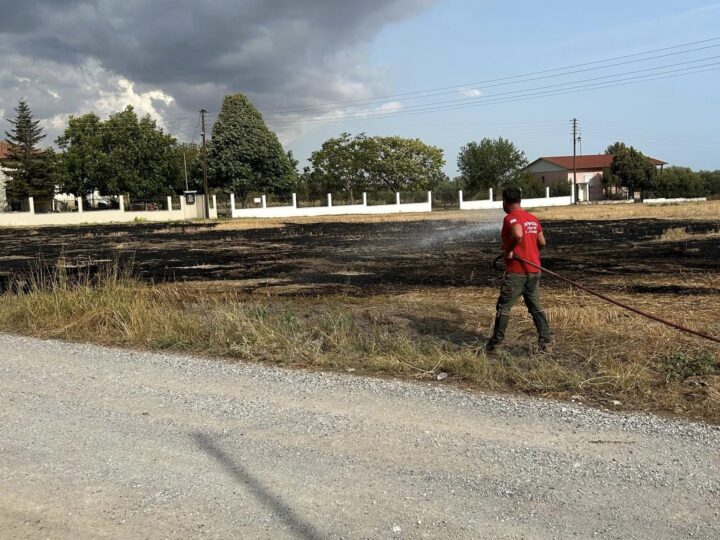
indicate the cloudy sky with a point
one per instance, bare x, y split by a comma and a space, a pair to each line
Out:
446, 71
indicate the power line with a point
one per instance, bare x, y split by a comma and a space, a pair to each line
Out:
504, 97
368, 101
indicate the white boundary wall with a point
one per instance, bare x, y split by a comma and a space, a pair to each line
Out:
678, 200
30, 219
490, 204
293, 210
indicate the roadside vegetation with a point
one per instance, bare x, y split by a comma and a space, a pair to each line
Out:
604, 356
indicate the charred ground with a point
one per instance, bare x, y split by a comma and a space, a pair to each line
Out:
368, 258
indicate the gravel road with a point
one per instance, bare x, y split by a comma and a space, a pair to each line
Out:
105, 443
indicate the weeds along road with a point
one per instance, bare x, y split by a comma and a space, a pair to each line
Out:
102, 443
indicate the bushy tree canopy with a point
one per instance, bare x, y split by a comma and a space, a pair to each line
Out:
123, 154
633, 169
339, 166
399, 164
678, 182
244, 155
491, 163
361, 163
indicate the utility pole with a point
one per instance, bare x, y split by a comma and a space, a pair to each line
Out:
204, 153
575, 138
187, 188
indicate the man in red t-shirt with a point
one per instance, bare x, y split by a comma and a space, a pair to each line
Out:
522, 235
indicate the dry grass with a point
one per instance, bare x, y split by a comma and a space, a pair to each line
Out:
709, 210
602, 355
679, 234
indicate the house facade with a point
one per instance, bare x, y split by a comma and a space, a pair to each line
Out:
590, 171
4, 149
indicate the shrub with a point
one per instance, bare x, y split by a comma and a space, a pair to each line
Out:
679, 366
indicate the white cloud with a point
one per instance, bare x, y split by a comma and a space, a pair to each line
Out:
389, 107
470, 92
124, 94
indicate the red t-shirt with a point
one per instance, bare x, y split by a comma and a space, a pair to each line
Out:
528, 246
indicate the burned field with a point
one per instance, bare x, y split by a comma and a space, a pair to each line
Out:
411, 297
364, 259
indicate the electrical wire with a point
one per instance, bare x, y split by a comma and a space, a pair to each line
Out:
493, 99
465, 86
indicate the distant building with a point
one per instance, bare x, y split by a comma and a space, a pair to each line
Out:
590, 171
4, 149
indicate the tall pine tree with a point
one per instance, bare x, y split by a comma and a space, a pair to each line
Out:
27, 167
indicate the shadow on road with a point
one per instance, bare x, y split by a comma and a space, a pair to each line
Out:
301, 527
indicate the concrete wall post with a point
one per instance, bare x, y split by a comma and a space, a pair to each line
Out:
364, 199
31, 204
329, 200
264, 201
294, 199
397, 198
169, 200
80, 205
490, 194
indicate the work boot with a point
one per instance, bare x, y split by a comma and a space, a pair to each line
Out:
545, 346
492, 347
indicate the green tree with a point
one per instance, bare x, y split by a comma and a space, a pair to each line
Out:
492, 163
560, 188
678, 182
244, 155
616, 148
355, 164
123, 154
188, 158
635, 171
340, 165
399, 164
531, 187
711, 182
29, 168
83, 163
611, 184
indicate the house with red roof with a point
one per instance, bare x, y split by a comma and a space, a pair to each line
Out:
590, 172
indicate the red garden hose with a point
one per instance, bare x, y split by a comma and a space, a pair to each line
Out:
620, 304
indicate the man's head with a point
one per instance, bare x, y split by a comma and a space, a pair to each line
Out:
512, 197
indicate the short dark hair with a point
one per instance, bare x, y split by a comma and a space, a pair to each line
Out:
512, 195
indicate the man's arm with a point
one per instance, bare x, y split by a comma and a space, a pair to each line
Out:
516, 236
541, 240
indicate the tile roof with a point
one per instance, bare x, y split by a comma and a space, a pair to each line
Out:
599, 161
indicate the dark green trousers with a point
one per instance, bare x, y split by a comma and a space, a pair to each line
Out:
512, 287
